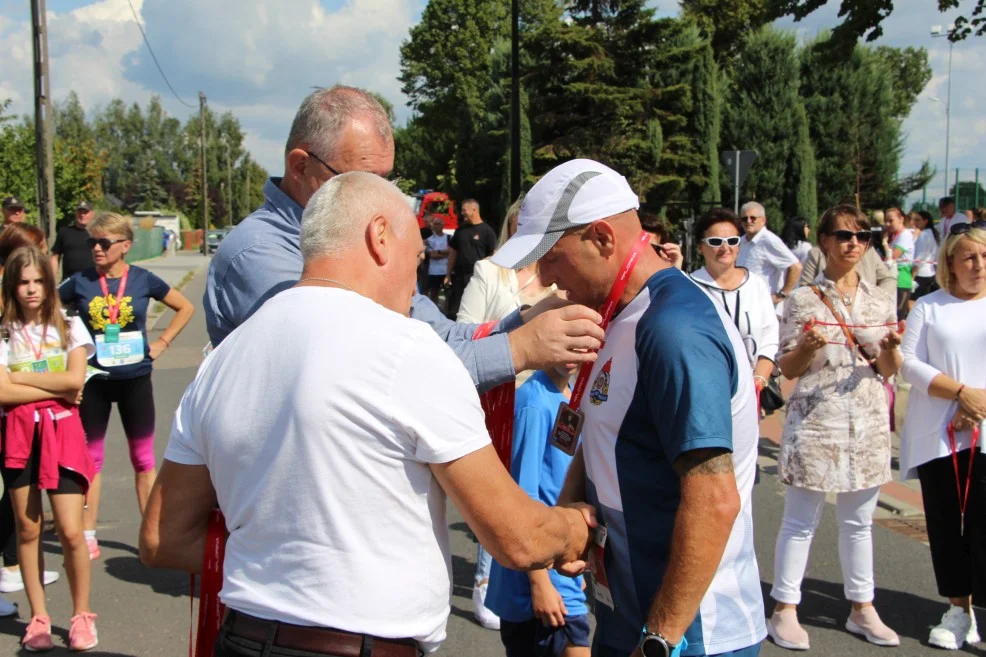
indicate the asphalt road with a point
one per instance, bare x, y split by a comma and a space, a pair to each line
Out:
144, 612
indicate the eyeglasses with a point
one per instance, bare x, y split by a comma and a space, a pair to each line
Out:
716, 242
862, 236
963, 228
752, 218
104, 242
392, 178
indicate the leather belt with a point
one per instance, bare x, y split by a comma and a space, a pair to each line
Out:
318, 640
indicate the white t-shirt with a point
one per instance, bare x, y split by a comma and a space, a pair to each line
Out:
801, 251
944, 335
926, 253
766, 255
437, 266
904, 240
18, 352
318, 419
946, 223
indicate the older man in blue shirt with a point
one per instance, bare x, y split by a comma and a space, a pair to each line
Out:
345, 129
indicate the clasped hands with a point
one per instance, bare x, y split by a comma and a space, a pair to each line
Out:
581, 521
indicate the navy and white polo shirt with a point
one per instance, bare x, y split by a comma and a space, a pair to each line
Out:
673, 376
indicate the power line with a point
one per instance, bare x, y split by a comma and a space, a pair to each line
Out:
154, 57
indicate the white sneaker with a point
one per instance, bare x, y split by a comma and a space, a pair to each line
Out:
12, 581
973, 635
7, 608
954, 630
484, 616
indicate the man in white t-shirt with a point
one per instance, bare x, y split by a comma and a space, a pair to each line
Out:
946, 206
316, 428
436, 252
764, 253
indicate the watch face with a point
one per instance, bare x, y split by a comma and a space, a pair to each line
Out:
654, 646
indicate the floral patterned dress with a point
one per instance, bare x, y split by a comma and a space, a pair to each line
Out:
837, 433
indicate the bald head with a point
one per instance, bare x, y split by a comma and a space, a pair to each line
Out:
336, 218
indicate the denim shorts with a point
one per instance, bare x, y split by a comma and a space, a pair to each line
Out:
535, 639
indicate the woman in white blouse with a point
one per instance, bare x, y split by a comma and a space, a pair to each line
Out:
494, 292
943, 361
925, 254
744, 296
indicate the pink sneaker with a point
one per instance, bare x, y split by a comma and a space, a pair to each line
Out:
37, 637
93, 546
82, 633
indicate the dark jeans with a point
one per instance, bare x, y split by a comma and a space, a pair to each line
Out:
233, 646
959, 560
459, 282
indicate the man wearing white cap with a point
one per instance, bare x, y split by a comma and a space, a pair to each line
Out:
669, 427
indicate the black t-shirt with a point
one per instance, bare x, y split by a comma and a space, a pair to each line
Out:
71, 245
472, 243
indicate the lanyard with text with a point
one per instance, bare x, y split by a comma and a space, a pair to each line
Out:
963, 498
112, 330
39, 352
568, 424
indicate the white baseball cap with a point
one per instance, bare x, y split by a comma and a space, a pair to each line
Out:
572, 194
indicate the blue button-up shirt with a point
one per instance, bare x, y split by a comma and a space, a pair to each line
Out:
263, 257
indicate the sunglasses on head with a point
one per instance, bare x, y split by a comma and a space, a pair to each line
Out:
963, 228
716, 242
104, 242
862, 236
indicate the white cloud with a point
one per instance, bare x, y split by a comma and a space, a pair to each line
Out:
258, 58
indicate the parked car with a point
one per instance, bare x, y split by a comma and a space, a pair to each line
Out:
214, 237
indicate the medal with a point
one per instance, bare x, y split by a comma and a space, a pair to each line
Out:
112, 332
112, 328
568, 426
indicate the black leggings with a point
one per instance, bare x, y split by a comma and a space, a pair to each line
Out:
135, 399
959, 560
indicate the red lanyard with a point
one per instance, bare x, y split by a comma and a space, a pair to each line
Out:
963, 498
39, 352
113, 309
619, 287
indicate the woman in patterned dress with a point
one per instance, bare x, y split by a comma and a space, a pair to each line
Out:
837, 433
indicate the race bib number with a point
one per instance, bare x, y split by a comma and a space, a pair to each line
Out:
597, 567
128, 349
50, 364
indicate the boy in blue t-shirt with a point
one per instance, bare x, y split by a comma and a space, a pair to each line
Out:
542, 613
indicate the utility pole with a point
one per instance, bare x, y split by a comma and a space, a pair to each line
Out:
42, 122
515, 102
229, 183
205, 184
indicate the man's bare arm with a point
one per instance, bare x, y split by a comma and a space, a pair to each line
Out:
709, 505
574, 488
520, 533
176, 518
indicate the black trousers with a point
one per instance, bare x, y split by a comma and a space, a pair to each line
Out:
8, 533
959, 560
459, 282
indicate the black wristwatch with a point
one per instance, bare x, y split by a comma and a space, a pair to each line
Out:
653, 644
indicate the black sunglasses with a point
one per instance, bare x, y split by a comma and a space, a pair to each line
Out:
716, 242
862, 236
963, 228
393, 178
104, 242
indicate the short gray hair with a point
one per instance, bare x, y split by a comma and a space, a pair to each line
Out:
337, 214
753, 205
325, 113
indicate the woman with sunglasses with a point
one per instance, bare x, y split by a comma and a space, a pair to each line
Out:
942, 348
839, 339
113, 299
744, 296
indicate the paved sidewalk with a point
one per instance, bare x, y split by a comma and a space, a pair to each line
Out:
177, 271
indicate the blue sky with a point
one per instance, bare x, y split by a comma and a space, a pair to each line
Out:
260, 57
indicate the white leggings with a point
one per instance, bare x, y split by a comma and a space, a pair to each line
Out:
802, 511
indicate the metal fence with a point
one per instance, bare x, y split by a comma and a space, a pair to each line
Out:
148, 243
968, 186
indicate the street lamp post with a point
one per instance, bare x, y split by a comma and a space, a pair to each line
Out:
936, 31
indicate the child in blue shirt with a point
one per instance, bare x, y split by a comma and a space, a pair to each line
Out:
542, 613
